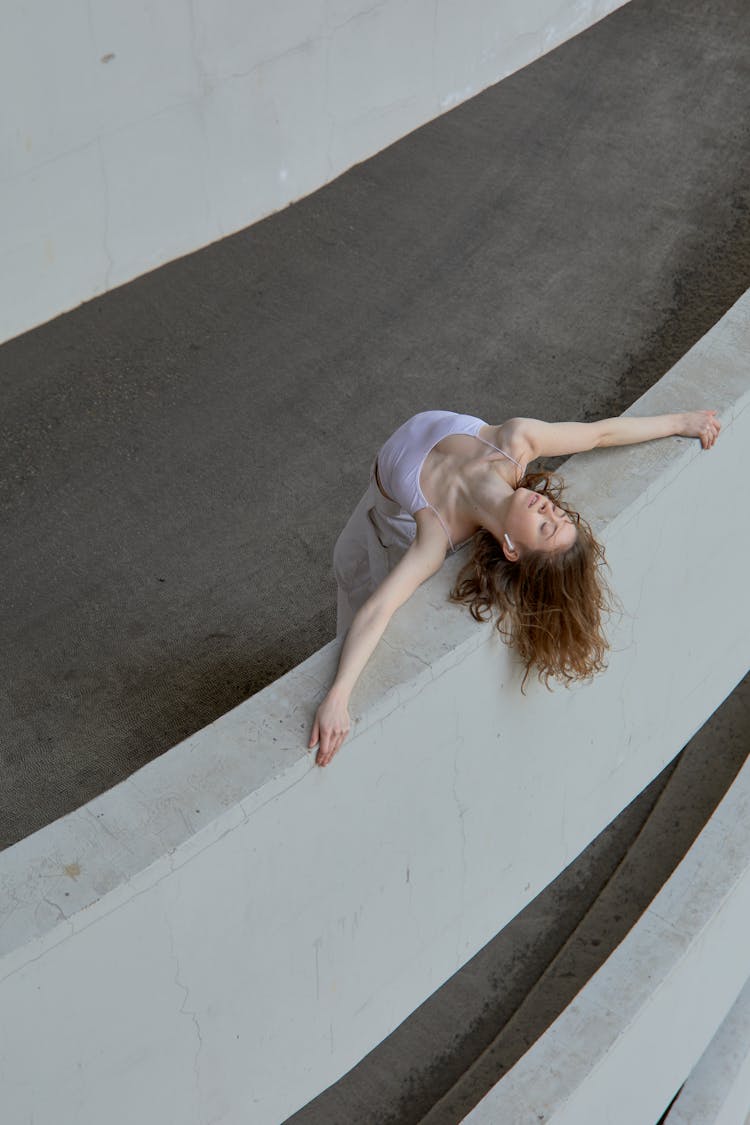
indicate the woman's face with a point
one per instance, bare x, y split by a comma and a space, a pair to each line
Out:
535, 524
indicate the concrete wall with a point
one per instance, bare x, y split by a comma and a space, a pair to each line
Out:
636, 1030
139, 134
227, 932
717, 1091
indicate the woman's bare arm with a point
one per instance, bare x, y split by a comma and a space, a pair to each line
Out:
555, 439
422, 559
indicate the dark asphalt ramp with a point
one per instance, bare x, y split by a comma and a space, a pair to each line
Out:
178, 456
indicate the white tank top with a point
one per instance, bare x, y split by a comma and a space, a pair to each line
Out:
401, 457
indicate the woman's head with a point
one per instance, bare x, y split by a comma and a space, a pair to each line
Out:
534, 522
546, 586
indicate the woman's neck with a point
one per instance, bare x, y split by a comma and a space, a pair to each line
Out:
488, 489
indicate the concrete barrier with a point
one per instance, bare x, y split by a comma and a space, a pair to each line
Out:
717, 1091
139, 139
224, 934
637, 1029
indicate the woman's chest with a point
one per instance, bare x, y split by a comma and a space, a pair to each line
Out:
464, 484
460, 464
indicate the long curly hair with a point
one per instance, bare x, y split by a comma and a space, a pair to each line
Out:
548, 604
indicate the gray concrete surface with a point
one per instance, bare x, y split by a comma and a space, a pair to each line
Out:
178, 456
444, 1058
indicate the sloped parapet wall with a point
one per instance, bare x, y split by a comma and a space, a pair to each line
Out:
717, 1092
653, 1009
140, 139
223, 935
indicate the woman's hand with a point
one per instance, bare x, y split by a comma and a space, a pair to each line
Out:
702, 424
331, 726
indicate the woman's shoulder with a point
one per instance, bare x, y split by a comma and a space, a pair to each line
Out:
512, 436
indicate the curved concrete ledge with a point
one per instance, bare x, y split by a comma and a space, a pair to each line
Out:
231, 929
717, 1091
655, 1005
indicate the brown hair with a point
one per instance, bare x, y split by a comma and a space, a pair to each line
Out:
549, 604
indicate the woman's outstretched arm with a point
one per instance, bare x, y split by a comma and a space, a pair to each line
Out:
422, 559
555, 439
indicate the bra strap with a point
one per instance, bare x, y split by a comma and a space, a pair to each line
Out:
499, 450
445, 529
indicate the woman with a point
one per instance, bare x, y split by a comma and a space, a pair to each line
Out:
443, 478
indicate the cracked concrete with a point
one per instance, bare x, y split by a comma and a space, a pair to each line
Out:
184, 1010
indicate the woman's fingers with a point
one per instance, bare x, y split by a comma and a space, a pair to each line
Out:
324, 755
704, 425
711, 430
331, 726
330, 746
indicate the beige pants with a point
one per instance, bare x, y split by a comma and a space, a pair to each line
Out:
376, 536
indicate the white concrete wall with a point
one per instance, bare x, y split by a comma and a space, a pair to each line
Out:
137, 133
636, 1030
227, 932
717, 1091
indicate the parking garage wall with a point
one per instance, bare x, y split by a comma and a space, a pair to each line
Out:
141, 133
